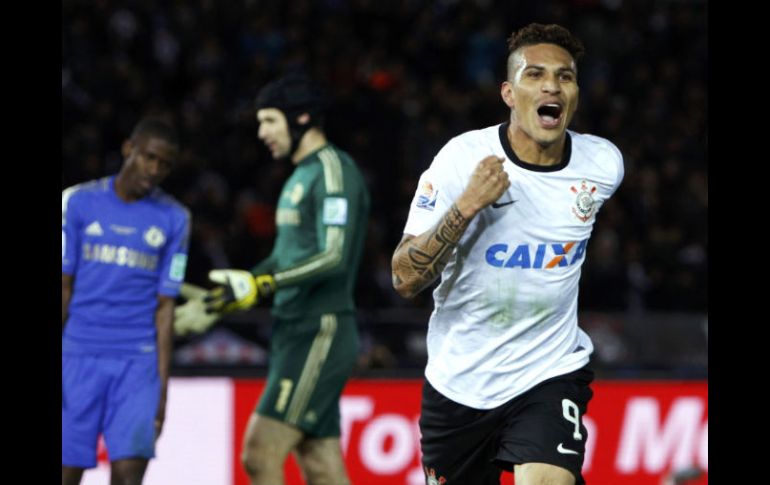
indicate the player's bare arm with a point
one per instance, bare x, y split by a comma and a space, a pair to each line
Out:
418, 260
164, 323
66, 296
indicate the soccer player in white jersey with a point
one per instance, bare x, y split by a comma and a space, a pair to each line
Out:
504, 214
124, 254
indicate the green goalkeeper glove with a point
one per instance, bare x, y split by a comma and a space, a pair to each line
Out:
192, 315
240, 291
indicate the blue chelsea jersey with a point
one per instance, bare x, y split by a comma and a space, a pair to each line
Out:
122, 256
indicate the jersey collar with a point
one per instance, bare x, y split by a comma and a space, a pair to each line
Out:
531, 166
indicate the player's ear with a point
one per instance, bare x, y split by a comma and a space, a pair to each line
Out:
126, 148
506, 92
577, 99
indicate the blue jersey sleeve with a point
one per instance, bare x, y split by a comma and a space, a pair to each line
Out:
70, 230
174, 258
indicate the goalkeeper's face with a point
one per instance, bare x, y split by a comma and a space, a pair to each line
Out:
274, 132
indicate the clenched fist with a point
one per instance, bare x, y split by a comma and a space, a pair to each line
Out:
488, 182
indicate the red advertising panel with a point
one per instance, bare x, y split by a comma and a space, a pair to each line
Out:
640, 433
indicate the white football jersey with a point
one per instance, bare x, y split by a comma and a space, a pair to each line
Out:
505, 316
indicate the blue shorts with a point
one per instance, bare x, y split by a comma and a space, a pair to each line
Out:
115, 396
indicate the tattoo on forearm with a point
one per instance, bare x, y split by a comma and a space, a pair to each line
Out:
420, 261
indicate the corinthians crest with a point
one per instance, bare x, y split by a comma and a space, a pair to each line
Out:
584, 202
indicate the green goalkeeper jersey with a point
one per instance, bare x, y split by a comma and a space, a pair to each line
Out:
321, 222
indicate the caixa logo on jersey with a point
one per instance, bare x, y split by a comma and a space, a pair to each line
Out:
536, 256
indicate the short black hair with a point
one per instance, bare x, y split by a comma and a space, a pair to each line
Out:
157, 128
546, 34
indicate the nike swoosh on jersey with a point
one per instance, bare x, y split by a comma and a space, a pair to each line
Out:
497, 206
565, 451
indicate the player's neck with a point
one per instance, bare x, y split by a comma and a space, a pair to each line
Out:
530, 151
122, 190
311, 141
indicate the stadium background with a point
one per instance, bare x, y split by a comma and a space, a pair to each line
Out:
405, 76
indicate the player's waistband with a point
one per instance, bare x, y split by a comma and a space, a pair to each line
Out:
81, 336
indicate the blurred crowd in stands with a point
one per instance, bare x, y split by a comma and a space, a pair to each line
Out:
405, 76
